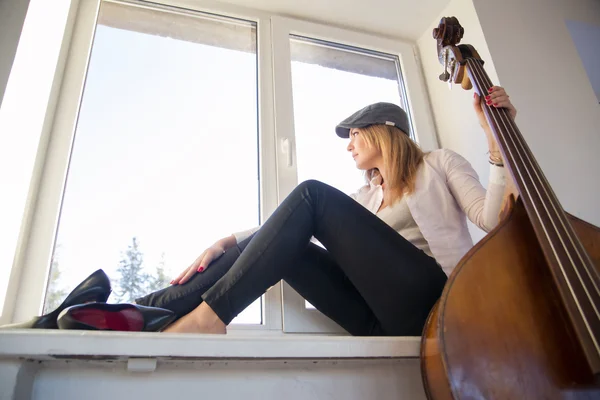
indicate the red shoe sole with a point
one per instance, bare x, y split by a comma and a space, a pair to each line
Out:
124, 320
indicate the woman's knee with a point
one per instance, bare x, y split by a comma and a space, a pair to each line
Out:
311, 184
309, 190
312, 188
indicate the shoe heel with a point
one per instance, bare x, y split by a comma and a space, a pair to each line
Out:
123, 320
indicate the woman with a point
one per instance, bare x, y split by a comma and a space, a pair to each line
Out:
388, 248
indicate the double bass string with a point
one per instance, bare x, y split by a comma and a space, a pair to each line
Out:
496, 115
509, 124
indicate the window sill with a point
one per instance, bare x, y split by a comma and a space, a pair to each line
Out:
56, 344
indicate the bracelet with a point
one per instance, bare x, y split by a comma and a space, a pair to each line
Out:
493, 162
496, 163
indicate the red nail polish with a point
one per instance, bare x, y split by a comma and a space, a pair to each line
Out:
495, 104
487, 97
200, 269
491, 89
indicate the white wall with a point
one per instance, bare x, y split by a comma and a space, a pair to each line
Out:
586, 38
559, 114
382, 379
455, 120
12, 16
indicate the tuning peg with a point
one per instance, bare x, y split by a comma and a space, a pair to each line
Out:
445, 76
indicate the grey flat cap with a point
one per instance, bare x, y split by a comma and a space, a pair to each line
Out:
378, 113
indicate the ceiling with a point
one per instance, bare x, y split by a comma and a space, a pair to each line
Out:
407, 19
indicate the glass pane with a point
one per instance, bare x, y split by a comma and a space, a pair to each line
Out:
330, 82
165, 143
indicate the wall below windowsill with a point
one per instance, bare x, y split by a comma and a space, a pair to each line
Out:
57, 344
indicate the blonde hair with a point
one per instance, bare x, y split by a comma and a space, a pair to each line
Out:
401, 156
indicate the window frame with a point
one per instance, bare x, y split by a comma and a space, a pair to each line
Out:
31, 266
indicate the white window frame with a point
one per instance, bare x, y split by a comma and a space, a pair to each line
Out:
296, 317
30, 269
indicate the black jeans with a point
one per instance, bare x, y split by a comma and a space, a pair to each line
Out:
370, 280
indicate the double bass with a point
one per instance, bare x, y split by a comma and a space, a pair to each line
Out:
519, 317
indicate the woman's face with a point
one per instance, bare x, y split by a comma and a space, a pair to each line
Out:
364, 156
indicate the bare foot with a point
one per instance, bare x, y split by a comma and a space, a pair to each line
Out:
201, 320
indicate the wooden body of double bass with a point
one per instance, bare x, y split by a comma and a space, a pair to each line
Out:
500, 331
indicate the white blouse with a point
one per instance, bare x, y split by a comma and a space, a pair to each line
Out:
398, 216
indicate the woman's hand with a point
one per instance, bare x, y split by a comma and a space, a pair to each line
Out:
497, 98
203, 261
200, 264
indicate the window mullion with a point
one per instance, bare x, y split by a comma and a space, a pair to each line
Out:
272, 307
284, 109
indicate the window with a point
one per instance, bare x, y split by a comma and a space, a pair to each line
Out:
329, 83
149, 181
162, 108
329, 80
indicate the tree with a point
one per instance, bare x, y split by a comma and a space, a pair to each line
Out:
160, 280
55, 294
133, 282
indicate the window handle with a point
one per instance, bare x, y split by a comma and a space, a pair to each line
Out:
286, 147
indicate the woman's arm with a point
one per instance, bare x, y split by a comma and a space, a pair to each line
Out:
497, 98
227, 242
241, 236
481, 206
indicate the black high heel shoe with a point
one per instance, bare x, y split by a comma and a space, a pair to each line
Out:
115, 317
95, 288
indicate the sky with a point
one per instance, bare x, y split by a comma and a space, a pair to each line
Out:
166, 149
